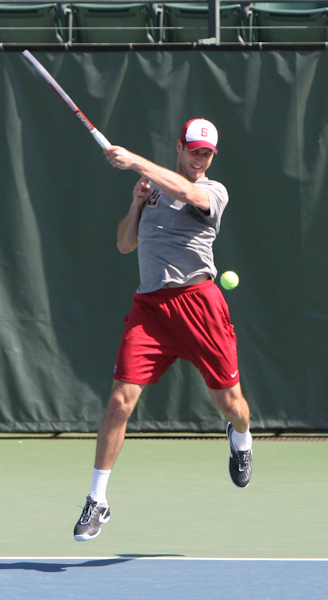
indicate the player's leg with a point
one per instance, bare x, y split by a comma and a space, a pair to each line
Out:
112, 429
234, 406
122, 401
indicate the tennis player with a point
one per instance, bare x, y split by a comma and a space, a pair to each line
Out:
177, 311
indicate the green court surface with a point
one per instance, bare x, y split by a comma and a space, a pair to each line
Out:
168, 498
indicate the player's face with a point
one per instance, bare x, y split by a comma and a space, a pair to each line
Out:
193, 164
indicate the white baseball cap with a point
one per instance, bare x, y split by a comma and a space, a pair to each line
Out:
199, 133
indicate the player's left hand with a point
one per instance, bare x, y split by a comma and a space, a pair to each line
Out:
141, 191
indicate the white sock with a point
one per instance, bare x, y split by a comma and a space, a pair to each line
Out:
99, 486
241, 441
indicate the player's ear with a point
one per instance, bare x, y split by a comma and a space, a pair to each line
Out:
179, 146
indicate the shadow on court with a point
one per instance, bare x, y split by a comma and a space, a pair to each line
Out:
151, 556
58, 567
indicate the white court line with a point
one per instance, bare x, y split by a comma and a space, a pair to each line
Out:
120, 558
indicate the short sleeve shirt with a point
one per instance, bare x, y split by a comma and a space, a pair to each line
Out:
175, 239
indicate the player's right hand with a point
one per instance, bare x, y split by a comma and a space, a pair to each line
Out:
119, 157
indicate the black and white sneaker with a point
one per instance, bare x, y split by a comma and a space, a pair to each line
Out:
93, 516
240, 463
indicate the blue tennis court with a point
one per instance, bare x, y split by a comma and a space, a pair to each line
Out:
174, 579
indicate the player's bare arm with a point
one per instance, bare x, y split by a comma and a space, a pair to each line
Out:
127, 232
177, 186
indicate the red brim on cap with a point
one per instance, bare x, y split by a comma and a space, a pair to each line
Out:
201, 144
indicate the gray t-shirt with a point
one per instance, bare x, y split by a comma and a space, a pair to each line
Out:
175, 239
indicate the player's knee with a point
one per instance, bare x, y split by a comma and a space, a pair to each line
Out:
230, 402
119, 409
235, 410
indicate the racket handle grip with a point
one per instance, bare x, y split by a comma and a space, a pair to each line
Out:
100, 138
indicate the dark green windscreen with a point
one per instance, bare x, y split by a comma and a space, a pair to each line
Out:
64, 287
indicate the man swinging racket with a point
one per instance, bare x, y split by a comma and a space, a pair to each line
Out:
177, 311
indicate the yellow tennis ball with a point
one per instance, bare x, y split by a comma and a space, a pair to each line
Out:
229, 280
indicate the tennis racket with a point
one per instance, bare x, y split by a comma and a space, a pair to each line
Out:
99, 137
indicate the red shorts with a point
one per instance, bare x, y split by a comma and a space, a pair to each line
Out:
192, 323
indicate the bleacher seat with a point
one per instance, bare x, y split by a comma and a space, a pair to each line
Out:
92, 23
294, 22
189, 22
29, 23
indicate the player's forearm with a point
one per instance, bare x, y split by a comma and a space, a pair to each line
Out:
169, 182
127, 231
